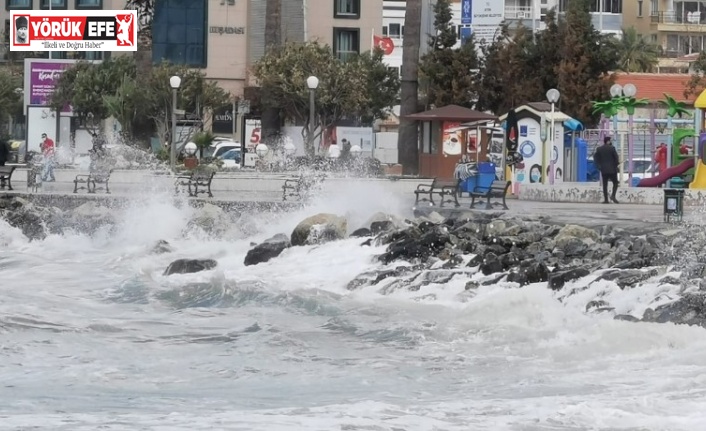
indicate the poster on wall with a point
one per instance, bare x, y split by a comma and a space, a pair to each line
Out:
362, 136
40, 120
41, 79
452, 139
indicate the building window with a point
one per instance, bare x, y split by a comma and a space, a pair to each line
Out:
179, 32
18, 4
654, 7
384, 30
395, 31
89, 4
639, 8
55, 4
346, 42
349, 9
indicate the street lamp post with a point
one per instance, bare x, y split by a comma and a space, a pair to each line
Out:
553, 97
629, 90
616, 92
313, 83
174, 82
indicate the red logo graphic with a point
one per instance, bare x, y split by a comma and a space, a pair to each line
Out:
125, 33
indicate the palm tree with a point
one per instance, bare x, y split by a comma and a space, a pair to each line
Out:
636, 54
143, 55
674, 108
407, 139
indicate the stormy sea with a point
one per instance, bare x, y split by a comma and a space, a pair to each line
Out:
343, 333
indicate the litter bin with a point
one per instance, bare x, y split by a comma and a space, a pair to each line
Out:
673, 204
469, 184
486, 175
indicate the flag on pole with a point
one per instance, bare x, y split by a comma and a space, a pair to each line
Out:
386, 44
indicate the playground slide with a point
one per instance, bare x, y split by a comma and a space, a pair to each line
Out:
667, 174
699, 177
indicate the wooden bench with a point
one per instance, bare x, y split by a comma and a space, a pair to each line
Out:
498, 190
198, 178
92, 180
6, 175
441, 187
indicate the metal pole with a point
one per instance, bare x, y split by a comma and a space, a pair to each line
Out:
534, 23
312, 114
600, 16
172, 150
631, 150
551, 149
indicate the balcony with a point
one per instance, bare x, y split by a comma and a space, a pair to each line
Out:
518, 12
679, 22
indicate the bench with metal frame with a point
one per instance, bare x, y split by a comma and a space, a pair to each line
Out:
92, 180
6, 175
441, 187
497, 190
198, 178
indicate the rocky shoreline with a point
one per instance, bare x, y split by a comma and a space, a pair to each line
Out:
486, 248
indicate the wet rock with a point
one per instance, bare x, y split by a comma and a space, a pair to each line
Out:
188, 266
377, 227
162, 247
319, 229
211, 219
558, 279
689, 310
363, 232
626, 317
491, 264
267, 250
529, 272
626, 278
372, 278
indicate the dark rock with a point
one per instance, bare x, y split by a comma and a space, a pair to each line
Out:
574, 247
626, 317
432, 241
162, 247
372, 278
363, 232
472, 285
558, 279
491, 264
453, 262
493, 280
690, 310
31, 224
188, 266
476, 260
529, 272
627, 277
268, 249
319, 229
367, 242
598, 305
377, 227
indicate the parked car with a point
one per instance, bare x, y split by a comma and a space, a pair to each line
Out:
641, 168
231, 158
220, 147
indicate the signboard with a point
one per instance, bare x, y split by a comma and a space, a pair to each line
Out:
252, 134
73, 30
466, 12
487, 12
466, 34
223, 120
362, 136
41, 78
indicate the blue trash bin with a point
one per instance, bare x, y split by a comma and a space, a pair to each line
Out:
469, 184
486, 175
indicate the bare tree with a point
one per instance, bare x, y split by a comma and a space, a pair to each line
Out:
273, 39
407, 141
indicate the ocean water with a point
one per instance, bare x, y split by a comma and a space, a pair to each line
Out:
92, 336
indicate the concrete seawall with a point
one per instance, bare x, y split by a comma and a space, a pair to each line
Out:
592, 192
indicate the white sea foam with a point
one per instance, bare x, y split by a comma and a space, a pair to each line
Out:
94, 336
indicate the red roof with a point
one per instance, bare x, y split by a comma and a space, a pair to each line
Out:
653, 86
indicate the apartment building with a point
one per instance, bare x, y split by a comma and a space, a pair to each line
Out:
679, 27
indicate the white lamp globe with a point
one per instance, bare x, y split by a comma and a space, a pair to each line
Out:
312, 82
630, 90
289, 148
334, 151
553, 95
190, 148
175, 81
616, 90
261, 150
356, 150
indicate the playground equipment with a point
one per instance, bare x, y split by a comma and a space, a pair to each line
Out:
699, 181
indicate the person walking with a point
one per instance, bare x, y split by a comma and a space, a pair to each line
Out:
607, 161
4, 158
48, 152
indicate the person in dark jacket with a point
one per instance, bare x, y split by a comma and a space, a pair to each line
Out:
4, 158
607, 161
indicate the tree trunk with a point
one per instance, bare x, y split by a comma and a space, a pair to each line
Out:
407, 141
273, 38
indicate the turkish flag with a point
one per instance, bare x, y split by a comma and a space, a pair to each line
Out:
384, 43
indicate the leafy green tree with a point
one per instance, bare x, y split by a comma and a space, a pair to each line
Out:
10, 98
141, 103
447, 71
583, 72
507, 79
636, 54
346, 89
697, 81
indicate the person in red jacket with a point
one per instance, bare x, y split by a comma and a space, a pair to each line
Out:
661, 157
48, 150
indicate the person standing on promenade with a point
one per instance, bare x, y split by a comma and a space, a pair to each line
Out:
607, 161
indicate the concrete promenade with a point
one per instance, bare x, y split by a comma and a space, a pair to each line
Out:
252, 191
